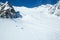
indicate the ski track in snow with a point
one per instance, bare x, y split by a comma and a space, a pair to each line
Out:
36, 24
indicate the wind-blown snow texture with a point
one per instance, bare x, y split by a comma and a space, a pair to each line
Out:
36, 24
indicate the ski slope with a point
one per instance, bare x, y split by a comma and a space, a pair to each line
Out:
36, 24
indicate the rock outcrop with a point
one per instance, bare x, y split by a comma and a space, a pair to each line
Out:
6, 10
55, 9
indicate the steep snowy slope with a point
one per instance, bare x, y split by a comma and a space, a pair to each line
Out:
36, 24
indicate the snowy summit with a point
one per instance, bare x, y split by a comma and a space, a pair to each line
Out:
7, 11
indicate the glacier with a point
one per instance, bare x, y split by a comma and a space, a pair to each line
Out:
36, 24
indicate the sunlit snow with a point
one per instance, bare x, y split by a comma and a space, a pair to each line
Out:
36, 24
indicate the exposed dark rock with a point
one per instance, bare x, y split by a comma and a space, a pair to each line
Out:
7, 11
56, 9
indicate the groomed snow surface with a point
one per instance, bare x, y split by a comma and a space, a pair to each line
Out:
36, 24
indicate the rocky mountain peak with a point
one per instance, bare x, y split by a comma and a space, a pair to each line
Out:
55, 9
6, 10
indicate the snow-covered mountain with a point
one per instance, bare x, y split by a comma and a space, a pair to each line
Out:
36, 24
55, 9
6, 10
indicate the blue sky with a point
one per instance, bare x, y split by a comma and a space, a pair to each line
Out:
30, 3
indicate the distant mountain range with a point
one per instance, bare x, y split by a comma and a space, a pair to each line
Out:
8, 11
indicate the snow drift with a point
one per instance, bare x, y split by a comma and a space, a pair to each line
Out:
36, 24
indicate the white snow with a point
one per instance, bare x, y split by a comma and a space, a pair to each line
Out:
36, 24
